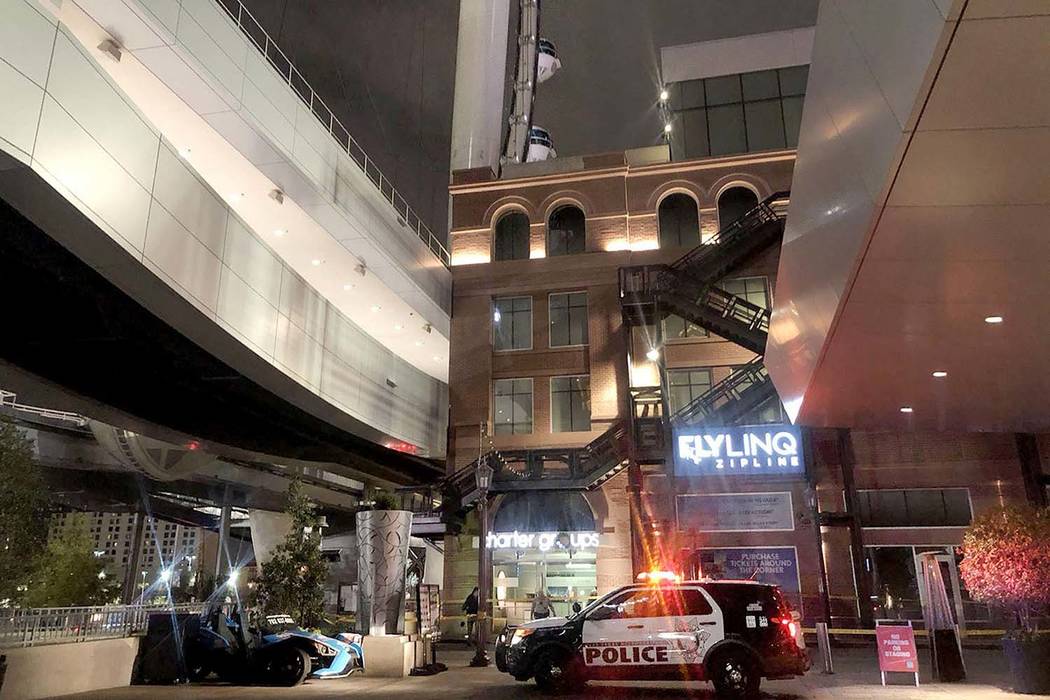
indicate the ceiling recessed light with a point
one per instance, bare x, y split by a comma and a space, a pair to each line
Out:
235, 195
993, 319
940, 373
185, 152
437, 358
347, 287
667, 128
664, 95
653, 354
419, 343
279, 232
906, 409
398, 326
316, 262
375, 308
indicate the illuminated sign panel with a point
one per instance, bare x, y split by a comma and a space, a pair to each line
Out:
543, 541
739, 450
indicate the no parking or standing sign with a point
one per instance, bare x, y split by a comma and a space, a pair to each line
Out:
896, 647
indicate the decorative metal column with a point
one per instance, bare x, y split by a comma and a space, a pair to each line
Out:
382, 561
484, 481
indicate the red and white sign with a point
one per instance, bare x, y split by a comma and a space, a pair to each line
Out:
896, 644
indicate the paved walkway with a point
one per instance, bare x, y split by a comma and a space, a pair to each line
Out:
856, 677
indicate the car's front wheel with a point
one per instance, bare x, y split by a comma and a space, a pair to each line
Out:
288, 666
559, 671
734, 675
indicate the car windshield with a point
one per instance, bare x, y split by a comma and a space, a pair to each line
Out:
595, 603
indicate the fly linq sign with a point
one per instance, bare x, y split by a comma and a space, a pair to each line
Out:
749, 449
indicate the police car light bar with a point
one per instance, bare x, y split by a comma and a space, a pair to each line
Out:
659, 577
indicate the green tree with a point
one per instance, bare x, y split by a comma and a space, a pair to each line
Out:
292, 581
23, 510
68, 573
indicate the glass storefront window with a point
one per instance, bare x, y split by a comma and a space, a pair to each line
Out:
896, 588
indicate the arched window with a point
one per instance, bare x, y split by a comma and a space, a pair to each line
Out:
512, 237
566, 231
679, 221
734, 203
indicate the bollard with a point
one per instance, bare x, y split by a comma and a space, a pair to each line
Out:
824, 646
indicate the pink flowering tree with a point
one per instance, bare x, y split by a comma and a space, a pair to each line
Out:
1006, 561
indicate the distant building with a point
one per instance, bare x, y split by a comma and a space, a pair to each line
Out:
160, 545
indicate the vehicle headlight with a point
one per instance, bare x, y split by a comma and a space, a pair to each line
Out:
324, 649
520, 634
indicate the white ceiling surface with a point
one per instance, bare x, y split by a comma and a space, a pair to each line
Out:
888, 272
405, 286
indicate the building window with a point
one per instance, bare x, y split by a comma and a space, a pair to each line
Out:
568, 321
734, 203
511, 240
738, 113
566, 231
570, 404
752, 289
512, 323
512, 406
685, 385
676, 327
914, 508
679, 221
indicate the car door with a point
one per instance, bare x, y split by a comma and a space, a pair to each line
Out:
688, 625
615, 637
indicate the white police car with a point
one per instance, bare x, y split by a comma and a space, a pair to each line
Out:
733, 633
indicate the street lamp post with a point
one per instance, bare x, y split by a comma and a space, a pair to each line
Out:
483, 476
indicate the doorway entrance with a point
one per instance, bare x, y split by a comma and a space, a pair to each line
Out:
897, 588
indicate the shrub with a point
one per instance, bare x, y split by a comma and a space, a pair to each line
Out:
1006, 561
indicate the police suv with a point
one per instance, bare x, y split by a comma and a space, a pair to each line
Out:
733, 633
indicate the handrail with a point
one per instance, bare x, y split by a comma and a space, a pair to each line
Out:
290, 74
10, 399
753, 374
26, 627
759, 214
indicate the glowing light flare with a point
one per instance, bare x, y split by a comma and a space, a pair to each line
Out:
657, 577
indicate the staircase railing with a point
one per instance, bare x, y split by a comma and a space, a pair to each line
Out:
714, 247
748, 381
287, 71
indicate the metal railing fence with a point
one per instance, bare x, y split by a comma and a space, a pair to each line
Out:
27, 627
251, 28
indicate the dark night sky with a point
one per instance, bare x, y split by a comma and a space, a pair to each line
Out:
387, 68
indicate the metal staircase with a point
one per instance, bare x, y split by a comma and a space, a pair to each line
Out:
746, 390
569, 468
736, 242
651, 292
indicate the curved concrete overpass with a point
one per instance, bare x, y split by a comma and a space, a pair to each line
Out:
152, 280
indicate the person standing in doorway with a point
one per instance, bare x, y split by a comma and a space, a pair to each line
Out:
470, 609
541, 606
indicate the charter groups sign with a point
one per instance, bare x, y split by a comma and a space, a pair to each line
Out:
748, 449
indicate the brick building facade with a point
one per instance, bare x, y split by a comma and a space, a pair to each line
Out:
621, 198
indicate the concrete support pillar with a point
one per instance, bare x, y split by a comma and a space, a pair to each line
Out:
222, 551
856, 541
1031, 469
481, 75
